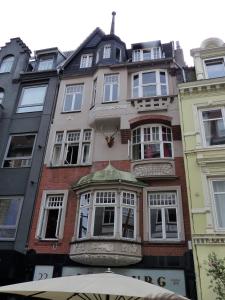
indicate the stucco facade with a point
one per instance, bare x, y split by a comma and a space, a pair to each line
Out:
202, 105
101, 104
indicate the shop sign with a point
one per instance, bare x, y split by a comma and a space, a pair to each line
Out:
172, 280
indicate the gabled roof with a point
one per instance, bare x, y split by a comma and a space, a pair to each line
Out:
108, 175
82, 45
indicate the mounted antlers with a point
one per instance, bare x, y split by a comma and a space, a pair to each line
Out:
110, 138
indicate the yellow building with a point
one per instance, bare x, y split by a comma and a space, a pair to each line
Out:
202, 110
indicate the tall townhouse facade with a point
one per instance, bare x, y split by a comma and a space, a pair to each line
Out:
27, 95
112, 191
202, 110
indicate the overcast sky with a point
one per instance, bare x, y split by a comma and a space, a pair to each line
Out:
66, 23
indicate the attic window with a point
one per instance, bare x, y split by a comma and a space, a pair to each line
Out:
86, 60
147, 54
215, 67
107, 51
45, 64
118, 54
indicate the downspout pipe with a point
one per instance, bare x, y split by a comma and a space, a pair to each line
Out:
182, 70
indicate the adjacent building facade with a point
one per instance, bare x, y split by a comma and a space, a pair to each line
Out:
112, 190
202, 109
27, 95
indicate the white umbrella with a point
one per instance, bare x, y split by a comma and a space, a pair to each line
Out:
102, 286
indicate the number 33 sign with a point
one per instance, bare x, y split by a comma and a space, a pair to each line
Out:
43, 272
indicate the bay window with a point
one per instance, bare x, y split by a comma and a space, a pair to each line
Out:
163, 216
105, 213
150, 83
213, 123
152, 141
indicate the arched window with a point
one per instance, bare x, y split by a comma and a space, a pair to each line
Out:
6, 64
2, 95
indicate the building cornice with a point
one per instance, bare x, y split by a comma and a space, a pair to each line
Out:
202, 86
209, 239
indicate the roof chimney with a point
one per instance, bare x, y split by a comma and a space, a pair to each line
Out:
112, 31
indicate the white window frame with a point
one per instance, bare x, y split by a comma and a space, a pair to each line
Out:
160, 141
86, 60
64, 143
205, 67
7, 64
44, 218
141, 54
107, 51
74, 94
158, 84
214, 210
47, 64
39, 105
111, 88
202, 129
118, 207
17, 218
25, 160
162, 207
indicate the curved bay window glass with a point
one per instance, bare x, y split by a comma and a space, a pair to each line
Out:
105, 213
6, 64
152, 141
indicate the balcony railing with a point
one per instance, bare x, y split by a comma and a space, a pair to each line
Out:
153, 103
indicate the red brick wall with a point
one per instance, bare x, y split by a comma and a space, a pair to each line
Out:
62, 179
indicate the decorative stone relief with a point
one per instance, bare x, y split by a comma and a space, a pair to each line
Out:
209, 240
154, 169
106, 253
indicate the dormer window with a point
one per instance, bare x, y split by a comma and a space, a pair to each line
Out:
215, 67
118, 54
147, 54
2, 95
107, 51
45, 64
86, 60
6, 64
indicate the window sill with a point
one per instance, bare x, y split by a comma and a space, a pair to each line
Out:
69, 166
71, 112
110, 102
157, 242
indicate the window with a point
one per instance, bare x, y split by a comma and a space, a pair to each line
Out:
152, 141
104, 220
213, 122
9, 216
97, 56
215, 67
147, 84
52, 216
72, 148
45, 64
146, 54
2, 95
111, 87
107, 51
94, 92
163, 214
218, 187
118, 54
73, 97
7, 63
32, 99
86, 60
19, 151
